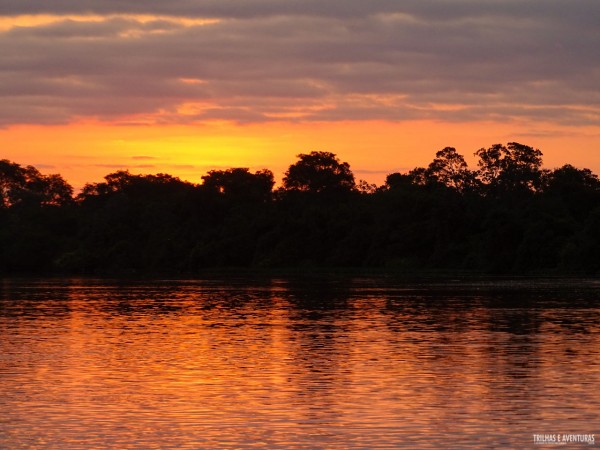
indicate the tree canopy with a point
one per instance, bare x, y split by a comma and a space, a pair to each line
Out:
450, 169
514, 167
508, 216
27, 186
240, 183
319, 172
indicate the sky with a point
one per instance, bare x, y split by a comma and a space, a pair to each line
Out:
88, 87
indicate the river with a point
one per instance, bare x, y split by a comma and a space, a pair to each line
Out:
297, 362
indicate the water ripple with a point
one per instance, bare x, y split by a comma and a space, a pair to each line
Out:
291, 364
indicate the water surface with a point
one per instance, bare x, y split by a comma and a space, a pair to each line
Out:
297, 363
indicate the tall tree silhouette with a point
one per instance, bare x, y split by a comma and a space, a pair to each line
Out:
577, 190
240, 183
450, 169
27, 186
511, 216
319, 172
510, 168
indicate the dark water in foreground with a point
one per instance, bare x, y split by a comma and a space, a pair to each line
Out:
297, 363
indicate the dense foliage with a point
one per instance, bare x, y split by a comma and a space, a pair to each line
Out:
508, 216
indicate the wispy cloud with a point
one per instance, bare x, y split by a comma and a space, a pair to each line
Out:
255, 61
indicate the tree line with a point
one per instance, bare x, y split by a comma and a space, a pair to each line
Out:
509, 215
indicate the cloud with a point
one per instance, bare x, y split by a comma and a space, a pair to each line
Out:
42, 166
125, 166
439, 10
265, 60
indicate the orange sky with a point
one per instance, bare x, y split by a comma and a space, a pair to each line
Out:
179, 87
85, 152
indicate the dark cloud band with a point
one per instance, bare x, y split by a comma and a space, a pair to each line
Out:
309, 60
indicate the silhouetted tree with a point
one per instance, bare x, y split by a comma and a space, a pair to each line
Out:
364, 187
114, 182
514, 167
26, 185
567, 180
57, 191
450, 169
396, 180
240, 183
319, 172
36, 220
417, 177
134, 223
578, 190
12, 179
122, 181
519, 218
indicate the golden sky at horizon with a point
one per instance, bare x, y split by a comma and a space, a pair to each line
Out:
86, 152
92, 87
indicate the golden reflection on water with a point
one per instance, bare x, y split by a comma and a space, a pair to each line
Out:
291, 364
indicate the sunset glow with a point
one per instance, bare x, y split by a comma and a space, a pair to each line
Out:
89, 88
85, 152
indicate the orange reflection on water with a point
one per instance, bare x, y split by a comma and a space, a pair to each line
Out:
285, 364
